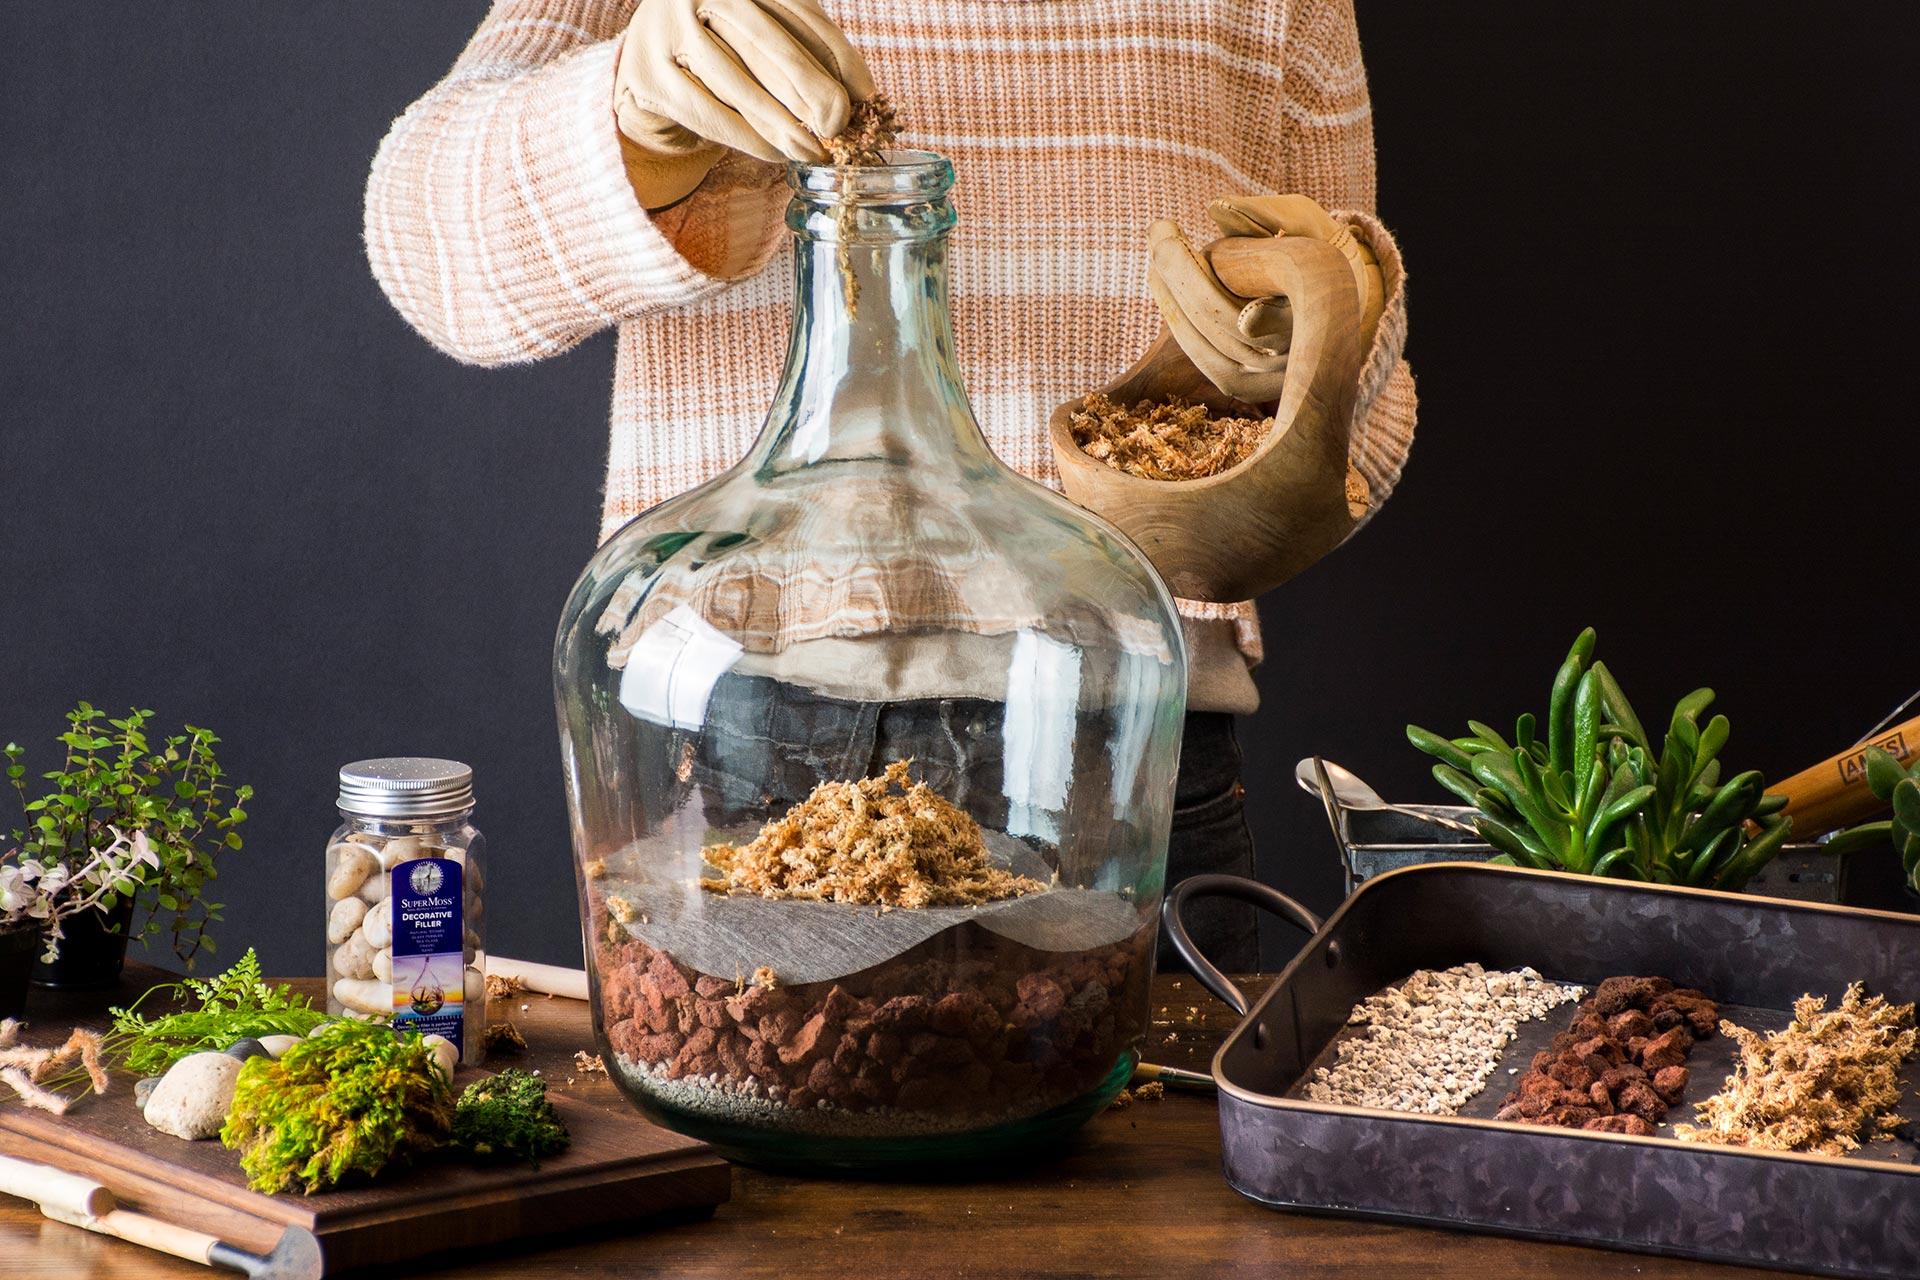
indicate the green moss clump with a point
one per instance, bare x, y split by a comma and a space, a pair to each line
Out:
349, 1099
507, 1116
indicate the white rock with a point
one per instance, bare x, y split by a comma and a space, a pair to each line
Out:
192, 1099
476, 987
443, 1053
364, 995
375, 889
354, 958
383, 964
378, 926
344, 919
400, 849
353, 866
277, 1045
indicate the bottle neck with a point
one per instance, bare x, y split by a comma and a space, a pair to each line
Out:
870, 374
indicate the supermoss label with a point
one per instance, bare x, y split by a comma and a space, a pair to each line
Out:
429, 932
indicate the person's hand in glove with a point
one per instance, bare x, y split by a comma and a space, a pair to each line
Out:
1240, 344
766, 77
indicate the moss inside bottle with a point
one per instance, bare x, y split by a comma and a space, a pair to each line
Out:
870, 747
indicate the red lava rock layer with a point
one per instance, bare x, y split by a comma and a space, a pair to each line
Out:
1621, 1064
966, 1023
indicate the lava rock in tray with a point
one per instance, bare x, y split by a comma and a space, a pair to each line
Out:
1620, 1065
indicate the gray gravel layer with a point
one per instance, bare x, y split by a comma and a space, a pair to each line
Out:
746, 1103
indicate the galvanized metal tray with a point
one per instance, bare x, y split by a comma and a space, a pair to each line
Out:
1854, 1216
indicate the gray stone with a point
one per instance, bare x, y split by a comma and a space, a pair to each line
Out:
247, 1048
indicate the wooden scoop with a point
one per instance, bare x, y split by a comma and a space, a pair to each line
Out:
1248, 529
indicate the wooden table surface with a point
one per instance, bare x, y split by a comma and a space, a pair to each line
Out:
1138, 1195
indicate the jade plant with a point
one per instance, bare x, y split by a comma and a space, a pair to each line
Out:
115, 779
1900, 787
1597, 796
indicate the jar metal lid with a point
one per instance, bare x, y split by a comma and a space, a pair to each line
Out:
406, 787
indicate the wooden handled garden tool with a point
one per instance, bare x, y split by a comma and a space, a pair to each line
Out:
81, 1202
1234, 535
1834, 793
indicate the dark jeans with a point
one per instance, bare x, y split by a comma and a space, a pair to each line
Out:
1210, 835
765, 744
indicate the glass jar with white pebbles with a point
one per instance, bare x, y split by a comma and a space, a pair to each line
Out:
404, 876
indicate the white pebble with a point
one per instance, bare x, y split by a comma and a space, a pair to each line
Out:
344, 919
364, 996
399, 850
378, 926
353, 865
354, 958
277, 1045
374, 889
192, 1099
443, 1053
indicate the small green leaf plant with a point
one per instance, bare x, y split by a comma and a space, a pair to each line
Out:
347, 1101
234, 1006
1898, 786
115, 778
1594, 797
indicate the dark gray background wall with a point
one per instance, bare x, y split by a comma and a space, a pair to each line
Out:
1662, 322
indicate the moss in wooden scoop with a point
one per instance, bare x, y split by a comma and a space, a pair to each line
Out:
1177, 439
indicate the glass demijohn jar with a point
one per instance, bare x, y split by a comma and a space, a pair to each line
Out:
870, 585
404, 875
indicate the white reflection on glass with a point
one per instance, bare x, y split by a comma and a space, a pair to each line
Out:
1143, 652
673, 667
1043, 695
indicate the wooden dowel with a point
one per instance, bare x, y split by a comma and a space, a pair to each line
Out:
1834, 793
548, 979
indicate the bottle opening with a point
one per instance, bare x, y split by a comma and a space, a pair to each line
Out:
907, 175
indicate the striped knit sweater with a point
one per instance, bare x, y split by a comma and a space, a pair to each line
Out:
500, 222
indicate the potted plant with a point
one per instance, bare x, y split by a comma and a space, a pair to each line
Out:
1591, 791
114, 779
36, 898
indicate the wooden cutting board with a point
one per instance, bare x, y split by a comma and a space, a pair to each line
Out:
619, 1171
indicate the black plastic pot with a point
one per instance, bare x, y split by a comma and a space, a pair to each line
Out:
18, 947
93, 949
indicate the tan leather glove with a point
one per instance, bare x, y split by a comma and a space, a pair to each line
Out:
1241, 343
767, 77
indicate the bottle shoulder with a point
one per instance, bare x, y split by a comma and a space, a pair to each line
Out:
864, 552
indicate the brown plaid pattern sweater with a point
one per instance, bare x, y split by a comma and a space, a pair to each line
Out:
500, 222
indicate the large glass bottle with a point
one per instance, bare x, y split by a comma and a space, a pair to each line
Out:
870, 585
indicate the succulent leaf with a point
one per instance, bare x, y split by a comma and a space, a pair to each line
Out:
1884, 774
1438, 747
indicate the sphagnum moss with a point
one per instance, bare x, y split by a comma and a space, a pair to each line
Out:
351, 1099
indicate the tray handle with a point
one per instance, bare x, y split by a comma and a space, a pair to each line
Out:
1216, 886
